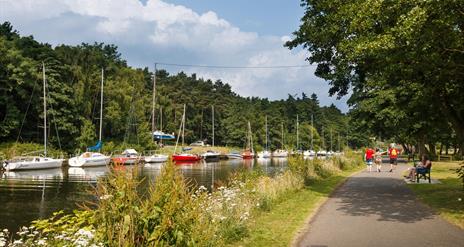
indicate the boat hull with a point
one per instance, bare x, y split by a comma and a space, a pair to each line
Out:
156, 159
234, 156
181, 157
89, 162
33, 165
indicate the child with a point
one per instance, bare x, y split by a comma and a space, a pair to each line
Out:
378, 159
369, 156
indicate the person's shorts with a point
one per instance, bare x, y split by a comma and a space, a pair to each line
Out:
394, 161
421, 170
369, 162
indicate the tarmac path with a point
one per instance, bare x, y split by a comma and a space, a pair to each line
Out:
378, 209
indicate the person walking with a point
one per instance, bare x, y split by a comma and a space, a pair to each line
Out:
393, 154
378, 159
369, 155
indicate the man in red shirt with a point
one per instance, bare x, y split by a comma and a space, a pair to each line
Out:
369, 157
393, 153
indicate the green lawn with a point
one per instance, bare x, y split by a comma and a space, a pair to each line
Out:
448, 197
281, 224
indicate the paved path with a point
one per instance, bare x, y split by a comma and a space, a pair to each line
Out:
377, 209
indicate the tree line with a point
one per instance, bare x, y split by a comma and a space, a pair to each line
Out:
73, 79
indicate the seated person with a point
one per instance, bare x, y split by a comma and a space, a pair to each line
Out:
420, 167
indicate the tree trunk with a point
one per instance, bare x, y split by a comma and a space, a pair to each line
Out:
432, 151
447, 149
441, 148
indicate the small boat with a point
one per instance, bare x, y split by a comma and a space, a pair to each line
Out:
210, 156
309, 153
156, 158
185, 157
247, 154
88, 159
279, 153
234, 155
128, 157
31, 163
160, 135
322, 153
264, 154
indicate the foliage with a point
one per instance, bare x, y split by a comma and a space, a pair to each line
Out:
401, 59
168, 213
73, 78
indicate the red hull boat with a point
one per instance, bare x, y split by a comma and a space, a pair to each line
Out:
185, 157
247, 155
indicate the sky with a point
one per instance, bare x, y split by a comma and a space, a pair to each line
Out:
240, 33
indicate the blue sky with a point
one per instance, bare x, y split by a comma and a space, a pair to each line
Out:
207, 32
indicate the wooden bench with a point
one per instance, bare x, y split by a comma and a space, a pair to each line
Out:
423, 173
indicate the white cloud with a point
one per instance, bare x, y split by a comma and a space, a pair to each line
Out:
161, 31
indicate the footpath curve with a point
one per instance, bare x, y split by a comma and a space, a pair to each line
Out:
378, 209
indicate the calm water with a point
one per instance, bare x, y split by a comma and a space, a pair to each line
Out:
30, 195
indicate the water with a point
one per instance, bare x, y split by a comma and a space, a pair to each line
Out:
29, 195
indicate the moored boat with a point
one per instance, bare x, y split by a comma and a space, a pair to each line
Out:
156, 158
247, 154
279, 153
88, 159
128, 157
264, 154
234, 155
185, 157
210, 156
31, 163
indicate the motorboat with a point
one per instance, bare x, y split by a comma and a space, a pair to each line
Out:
31, 163
322, 153
89, 159
279, 153
210, 156
128, 157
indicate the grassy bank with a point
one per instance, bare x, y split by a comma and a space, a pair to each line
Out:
279, 226
250, 209
446, 198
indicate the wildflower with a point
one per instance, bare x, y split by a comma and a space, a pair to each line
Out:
5, 230
106, 197
18, 242
2, 242
41, 242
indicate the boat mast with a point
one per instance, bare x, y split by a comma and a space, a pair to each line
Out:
45, 108
265, 120
180, 131
282, 139
312, 134
183, 126
153, 104
212, 109
297, 134
331, 139
101, 107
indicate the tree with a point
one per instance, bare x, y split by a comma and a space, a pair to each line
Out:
403, 59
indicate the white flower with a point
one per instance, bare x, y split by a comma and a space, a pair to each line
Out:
41, 242
18, 242
2, 243
85, 233
106, 197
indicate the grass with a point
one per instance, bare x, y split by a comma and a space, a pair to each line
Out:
267, 228
446, 198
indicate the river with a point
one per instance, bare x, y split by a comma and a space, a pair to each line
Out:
36, 194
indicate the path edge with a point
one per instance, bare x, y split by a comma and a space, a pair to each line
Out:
307, 222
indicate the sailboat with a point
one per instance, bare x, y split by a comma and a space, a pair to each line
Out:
281, 153
249, 153
211, 155
35, 162
183, 157
91, 158
156, 158
311, 151
265, 153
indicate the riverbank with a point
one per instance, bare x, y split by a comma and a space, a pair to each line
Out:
169, 212
294, 210
446, 197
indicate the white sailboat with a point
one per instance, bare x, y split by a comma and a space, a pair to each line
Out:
154, 157
35, 162
311, 152
281, 153
211, 155
93, 158
265, 154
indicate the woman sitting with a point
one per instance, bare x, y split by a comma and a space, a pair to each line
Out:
420, 167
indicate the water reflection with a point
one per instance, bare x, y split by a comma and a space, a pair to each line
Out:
35, 194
